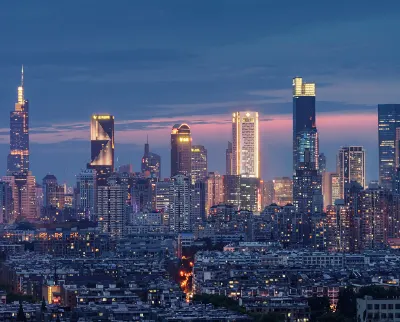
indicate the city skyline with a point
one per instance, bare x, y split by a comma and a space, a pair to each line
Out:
253, 79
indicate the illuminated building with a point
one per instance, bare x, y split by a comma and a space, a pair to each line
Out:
199, 163
283, 191
351, 166
330, 188
6, 202
163, 195
181, 150
332, 232
111, 206
214, 190
307, 191
86, 186
102, 146
229, 159
388, 121
268, 193
53, 194
322, 163
180, 204
197, 203
18, 159
24, 195
305, 135
245, 147
249, 196
232, 190
151, 163
335, 180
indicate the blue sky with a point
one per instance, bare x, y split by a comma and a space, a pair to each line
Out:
155, 63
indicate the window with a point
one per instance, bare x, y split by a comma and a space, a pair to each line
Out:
376, 306
390, 306
390, 315
369, 306
383, 306
397, 306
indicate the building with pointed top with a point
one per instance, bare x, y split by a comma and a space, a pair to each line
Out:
151, 162
18, 158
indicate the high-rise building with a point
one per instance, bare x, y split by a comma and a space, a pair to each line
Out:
111, 206
181, 150
305, 135
307, 191
322, 163
23, 187
151, 163
245, 147
6, 202
180, 204
249, 196
162, 198
229, 159
127, 168
283, 191
232, 190
214, 190
102, 146
50, 185
86, 187
142, 195
199, 163
18, 159
388, 121
198, 203
351, 166
267, 193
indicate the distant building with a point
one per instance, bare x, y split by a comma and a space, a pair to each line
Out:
232, 190
214, 189
6, 202
125, 168
388, 121
180, 204
181, 150
102, 146
151, 163
87, 190
246, 145
283, 191
249, 196
351, 166
229, 159
198, 203
199, 163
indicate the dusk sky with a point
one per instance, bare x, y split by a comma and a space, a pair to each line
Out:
156, 63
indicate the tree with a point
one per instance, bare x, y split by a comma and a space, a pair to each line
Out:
347, 303
318, 307
21, 315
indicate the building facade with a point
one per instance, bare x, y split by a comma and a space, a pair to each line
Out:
245, 147
199, 163
181, 150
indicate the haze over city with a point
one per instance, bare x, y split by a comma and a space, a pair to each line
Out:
154, 64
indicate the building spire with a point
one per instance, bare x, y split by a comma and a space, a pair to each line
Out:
21, 98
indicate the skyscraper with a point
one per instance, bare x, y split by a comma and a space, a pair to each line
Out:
283, 191
388, 121
245, 147
180, 204
18, 159
214, 190
86, 186
351, 166
229, 159
102, 146
181, 150
151, 163
305, 135
199, 163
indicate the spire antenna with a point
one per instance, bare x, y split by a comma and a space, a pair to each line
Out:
22, 76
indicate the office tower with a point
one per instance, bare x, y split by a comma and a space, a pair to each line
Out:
374, 218
232, 190
142, 195
163, 189
181, 150
305, 135
111, 209
214, 190
229, 159
50, 185
198, 203
322, 164
283, 191
179, 207
335, 183
6, 202
249, 197
351, 166
199, 163
267, 193
102, 146
151, 163
18, 159
127, 168
23, 187
307, 191
332, 229
86, 188
388, 121
245, 147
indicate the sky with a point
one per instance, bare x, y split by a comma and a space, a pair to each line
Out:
152, 64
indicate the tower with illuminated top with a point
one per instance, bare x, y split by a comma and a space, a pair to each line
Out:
102, 146
18, 159
245, 144
181, 150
